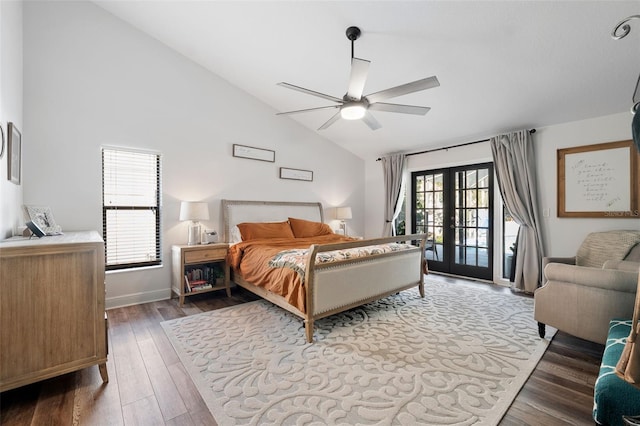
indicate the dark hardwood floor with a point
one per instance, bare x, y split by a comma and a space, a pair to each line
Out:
149, 386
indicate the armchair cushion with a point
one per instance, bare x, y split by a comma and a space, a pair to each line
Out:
598, 247
623, 265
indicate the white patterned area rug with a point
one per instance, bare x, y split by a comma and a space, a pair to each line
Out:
457, 357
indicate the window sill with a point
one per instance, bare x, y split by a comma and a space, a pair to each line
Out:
141, 268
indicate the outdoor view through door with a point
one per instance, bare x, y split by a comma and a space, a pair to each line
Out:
454, 207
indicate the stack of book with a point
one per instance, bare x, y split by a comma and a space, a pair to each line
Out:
196, 285
203, 277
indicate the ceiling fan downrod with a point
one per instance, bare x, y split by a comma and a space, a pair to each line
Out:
353, 33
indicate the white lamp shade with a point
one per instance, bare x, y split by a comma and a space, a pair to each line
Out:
191, 210
343, 213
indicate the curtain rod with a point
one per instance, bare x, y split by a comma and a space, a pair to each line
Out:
452, 146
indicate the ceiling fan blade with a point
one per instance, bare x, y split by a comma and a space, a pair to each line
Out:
329, 122
359, 71
404, 109
371, 121
308, 109
310, 92
403, 89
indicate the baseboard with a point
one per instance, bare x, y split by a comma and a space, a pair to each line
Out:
137, 298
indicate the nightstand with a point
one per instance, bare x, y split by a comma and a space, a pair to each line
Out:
199, 269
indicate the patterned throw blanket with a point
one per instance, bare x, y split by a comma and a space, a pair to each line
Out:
295, 259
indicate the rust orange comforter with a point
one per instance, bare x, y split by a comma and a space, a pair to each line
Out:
250, 259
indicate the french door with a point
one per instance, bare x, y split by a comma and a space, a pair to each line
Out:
454, 207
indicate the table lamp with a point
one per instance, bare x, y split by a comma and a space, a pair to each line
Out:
194, 211
343, 213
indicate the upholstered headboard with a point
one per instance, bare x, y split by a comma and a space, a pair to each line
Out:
236, 211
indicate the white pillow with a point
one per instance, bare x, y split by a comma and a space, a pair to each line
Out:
235, 236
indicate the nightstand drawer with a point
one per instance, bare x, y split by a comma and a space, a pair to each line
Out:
198, 256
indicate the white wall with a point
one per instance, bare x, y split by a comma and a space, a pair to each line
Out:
10, 110
92, 80
562, 235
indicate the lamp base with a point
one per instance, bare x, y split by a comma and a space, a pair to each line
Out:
343, 228
195, 234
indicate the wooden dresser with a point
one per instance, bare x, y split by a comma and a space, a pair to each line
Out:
52, 307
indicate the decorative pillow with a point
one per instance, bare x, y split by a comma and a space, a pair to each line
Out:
253, 231
306, 228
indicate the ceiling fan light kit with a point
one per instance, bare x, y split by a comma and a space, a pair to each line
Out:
355, 106
352, 111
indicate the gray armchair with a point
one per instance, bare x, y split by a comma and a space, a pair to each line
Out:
582, 294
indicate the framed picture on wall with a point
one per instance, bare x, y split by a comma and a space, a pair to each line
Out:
14, 156
252, 153
296, 174
600, 181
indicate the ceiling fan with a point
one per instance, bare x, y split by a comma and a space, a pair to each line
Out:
354, 105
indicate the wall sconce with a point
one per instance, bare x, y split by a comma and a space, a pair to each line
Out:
342, 214
194, 211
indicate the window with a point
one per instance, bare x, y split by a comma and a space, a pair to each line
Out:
131, 208
509, 233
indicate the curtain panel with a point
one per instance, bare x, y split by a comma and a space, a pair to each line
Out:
393, 169
514, 160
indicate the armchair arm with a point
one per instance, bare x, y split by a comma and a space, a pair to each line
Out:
609, 279
565, 260
547, 260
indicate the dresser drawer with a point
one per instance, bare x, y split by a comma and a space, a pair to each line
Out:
198, 256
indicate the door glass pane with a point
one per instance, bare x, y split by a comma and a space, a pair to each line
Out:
419, 183
420, 201
483, 178
428, 200
471, 178
470, 217
471, 237
438, 182
483, 238
483, 257
483, 218
439, 202
483, 198
470, 258
471, 198
428, 183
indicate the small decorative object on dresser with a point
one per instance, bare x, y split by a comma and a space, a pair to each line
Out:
43, 218
199, 269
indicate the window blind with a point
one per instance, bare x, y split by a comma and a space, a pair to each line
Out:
131, 208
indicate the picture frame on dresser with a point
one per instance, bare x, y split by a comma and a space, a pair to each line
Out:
43, 218
14, 157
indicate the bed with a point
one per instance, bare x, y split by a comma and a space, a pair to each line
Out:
327, 287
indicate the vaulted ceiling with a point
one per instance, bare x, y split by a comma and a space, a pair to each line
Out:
502, 65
